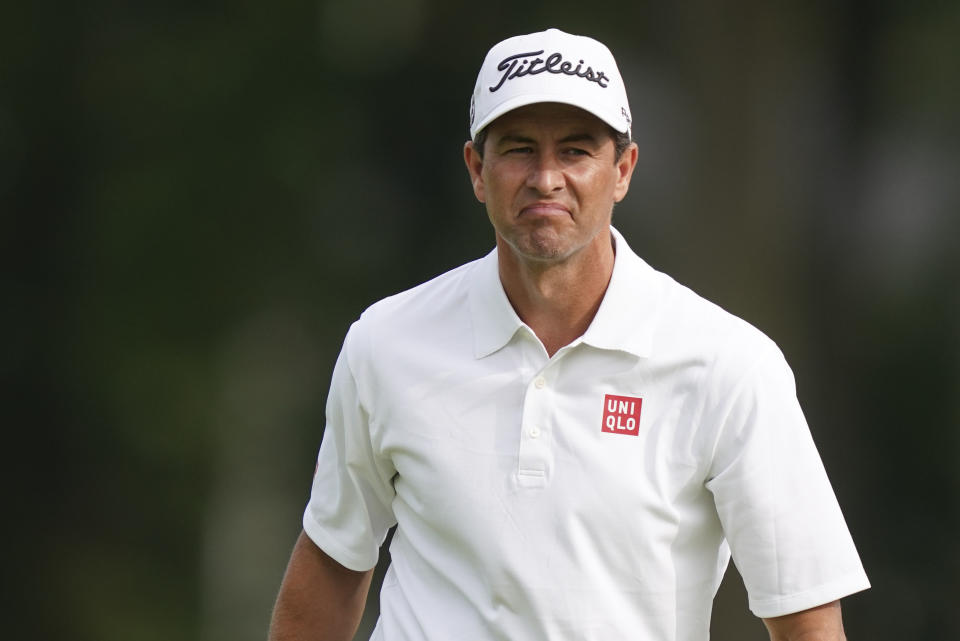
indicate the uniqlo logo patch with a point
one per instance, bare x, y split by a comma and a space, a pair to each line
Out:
621, 414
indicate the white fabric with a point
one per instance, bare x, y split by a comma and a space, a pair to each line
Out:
549, 66
520, 517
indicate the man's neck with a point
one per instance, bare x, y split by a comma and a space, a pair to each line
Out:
557, 300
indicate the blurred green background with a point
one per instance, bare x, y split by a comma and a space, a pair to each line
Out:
199, 197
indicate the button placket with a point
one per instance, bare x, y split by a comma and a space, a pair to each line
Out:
536, 454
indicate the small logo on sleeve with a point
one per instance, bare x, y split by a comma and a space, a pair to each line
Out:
621, 414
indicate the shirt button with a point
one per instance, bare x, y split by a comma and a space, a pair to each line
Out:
534, 432
540, 382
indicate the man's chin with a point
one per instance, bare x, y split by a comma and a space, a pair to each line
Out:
542, 247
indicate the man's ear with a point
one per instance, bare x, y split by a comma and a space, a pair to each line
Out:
474, 164
625, 165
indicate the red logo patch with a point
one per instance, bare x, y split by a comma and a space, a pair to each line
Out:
621, 414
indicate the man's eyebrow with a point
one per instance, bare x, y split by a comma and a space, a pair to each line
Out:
517, 138
581, 137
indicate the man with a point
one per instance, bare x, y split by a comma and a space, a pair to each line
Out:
569, 442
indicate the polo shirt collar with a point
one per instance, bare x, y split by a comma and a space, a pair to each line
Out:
624, 321
493, 317
627, 314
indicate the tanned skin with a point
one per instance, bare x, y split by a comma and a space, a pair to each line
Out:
319, 600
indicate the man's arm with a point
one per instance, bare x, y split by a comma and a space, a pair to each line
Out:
822, 623
319, 598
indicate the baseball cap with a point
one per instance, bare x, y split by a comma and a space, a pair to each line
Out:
549, 66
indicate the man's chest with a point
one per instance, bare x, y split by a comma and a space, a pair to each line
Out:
590, 460
586, 423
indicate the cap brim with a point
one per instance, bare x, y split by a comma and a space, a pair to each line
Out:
533, 98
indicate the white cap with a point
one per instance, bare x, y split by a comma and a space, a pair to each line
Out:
549, 66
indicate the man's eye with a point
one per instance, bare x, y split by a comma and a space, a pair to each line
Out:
519, 150
574, 151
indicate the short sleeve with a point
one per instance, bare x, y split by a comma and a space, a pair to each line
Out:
779, 513
349, 512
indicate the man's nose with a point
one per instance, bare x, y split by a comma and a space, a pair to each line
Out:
546, 175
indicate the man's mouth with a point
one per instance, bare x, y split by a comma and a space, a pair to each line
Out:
545, 209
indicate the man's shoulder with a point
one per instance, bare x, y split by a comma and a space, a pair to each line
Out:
395, 334
703, 315
422, 307
690, 322
679, 316
445, 289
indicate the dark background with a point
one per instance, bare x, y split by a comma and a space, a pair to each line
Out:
199, 197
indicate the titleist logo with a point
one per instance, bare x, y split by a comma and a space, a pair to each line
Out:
519, 65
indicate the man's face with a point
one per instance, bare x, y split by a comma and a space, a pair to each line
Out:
549, 179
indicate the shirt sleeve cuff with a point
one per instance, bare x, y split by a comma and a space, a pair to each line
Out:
812, 598
339, 553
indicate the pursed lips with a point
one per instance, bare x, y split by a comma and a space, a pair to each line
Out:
545, 209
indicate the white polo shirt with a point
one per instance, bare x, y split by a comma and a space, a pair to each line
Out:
591, 495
